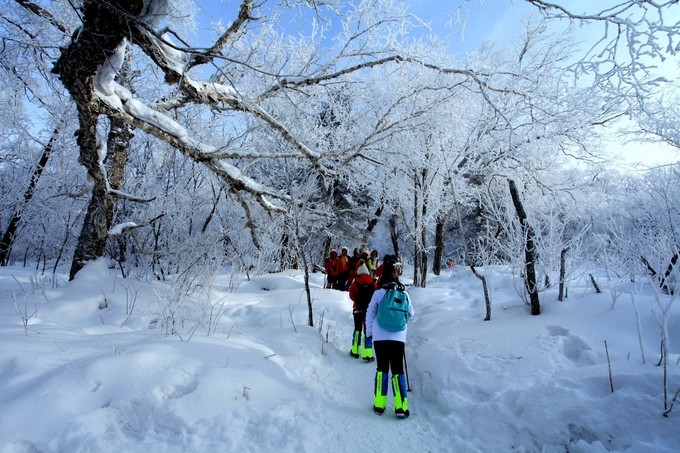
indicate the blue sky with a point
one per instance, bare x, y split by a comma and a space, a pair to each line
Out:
492, 19
467, 24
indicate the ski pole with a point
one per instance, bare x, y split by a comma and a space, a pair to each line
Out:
408, 382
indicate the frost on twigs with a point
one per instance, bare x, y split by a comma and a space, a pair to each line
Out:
631, 39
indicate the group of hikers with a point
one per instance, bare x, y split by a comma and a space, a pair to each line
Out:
381, 310
342, 269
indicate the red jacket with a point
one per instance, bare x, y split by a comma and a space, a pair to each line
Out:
379, 270
363, 279
332, 267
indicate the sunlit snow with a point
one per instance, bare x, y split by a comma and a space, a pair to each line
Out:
90, 366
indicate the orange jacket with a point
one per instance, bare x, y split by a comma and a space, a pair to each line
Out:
343, 263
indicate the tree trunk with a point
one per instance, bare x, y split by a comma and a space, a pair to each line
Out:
438, 246
283, 253
394, 234
529, 250
416, 225
594, 283
487, 298
423, 233
118, 149
664, 286
216, 200
101, 210
563, 273
326, 246
156, 265
60, 254
649, 267
92, 239
10, 232
439, 231
104, 28
300, 252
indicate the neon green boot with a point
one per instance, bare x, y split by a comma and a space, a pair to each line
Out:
381, 386
400, 396
354, 352
368, 349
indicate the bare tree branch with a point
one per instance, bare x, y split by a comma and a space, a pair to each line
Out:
42, 12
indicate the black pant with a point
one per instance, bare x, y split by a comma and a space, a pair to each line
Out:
389, 354
338, 283
359, 320
342, 281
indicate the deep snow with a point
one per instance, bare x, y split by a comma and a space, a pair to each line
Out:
83, 375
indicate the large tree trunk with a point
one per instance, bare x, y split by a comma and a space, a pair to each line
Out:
104, 27
92, 239
11, 231
529, 250
101, 210
118, 149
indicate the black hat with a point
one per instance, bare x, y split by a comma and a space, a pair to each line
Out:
390, 259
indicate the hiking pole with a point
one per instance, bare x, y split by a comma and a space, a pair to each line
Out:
408, 382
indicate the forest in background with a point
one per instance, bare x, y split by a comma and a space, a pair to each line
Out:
121, 139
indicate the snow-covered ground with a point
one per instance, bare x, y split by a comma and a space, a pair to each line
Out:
78, 373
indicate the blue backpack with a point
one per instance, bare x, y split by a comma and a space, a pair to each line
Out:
393, 310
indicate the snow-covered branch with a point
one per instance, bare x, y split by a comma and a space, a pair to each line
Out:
244, 15
634, 36
175, 136
296, 82
122, 228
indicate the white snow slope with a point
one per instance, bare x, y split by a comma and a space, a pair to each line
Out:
79, 374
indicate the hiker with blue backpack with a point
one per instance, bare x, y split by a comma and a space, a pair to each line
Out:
386, 319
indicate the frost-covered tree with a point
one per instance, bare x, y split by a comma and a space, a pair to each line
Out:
629, 51
529, 122
222, 133
35, 138
627, 40
249, 72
